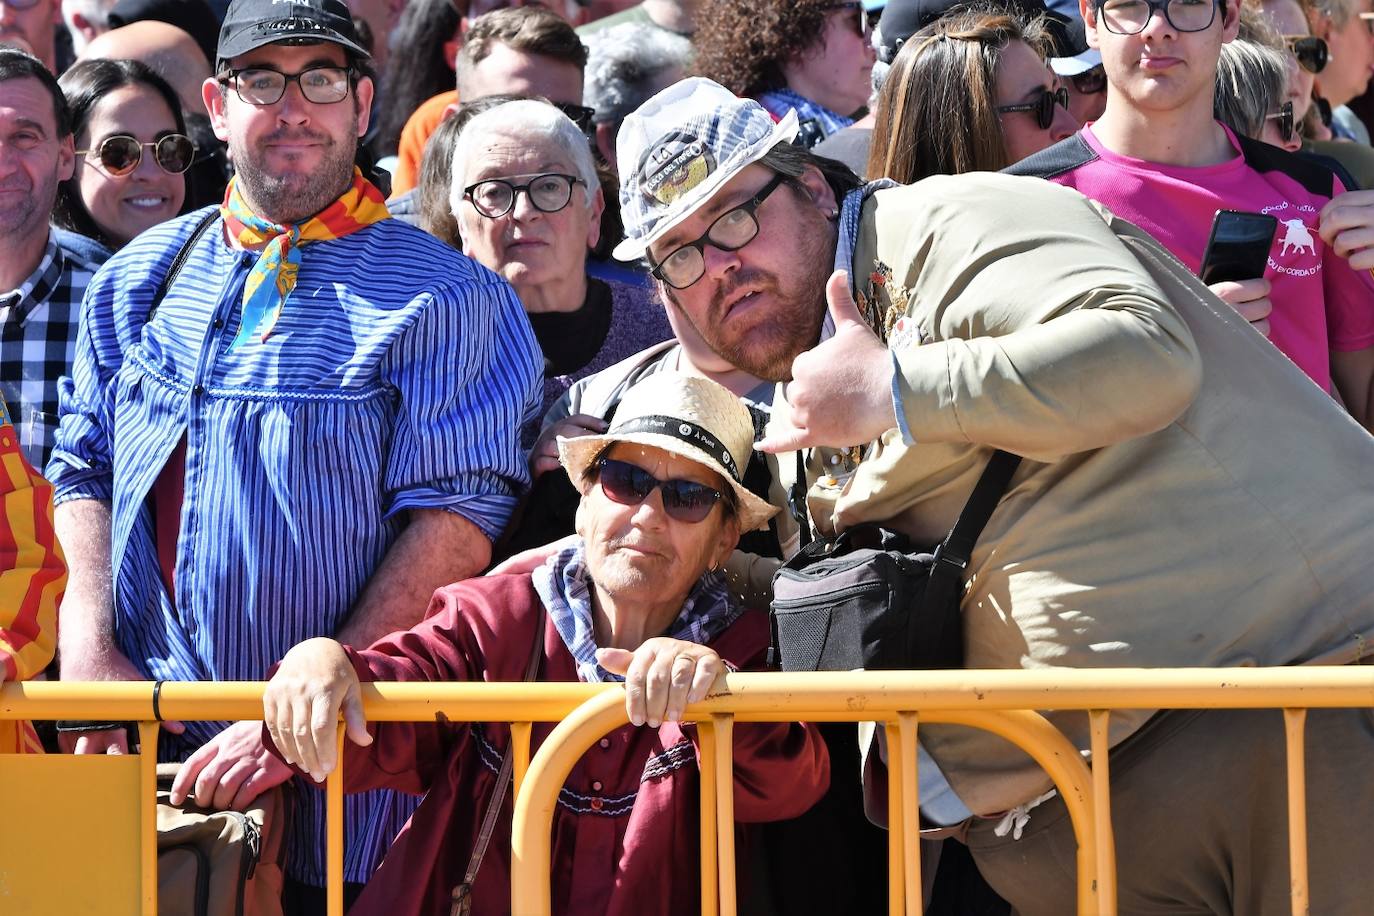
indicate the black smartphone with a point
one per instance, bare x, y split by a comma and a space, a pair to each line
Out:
1238, 248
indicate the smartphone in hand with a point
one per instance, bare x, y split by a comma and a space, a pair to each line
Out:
1238, 248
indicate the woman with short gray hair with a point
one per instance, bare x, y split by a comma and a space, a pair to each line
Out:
528, 204
1346, 74
1252, 91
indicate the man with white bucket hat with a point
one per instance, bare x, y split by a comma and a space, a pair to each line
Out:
1186, 497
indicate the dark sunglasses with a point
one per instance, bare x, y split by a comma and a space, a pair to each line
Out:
865, 28
1285, 118
121, 154
1311, 52
580, 115
1043, 106
629, 485
1090, 82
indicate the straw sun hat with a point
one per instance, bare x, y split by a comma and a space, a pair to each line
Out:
688, 416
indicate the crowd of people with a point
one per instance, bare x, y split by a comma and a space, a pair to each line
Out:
452, 340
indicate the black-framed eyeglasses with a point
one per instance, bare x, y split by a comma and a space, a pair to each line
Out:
1285, 118
120, 154
1311, 51
1090, 82
865, 28
261, 86
629, 484
580, 115
1042, 107
495, 197
1129, 17
730, 231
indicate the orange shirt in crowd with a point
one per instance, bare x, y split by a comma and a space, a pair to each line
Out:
414, 136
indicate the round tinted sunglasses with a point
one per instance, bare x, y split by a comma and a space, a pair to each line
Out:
121, 153
1043, 106
1311, 52
1285, 118
629, 485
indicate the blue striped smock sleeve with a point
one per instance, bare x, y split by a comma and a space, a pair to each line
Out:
80, 466
469, 372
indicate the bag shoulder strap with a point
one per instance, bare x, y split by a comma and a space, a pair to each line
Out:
957, 548
179, 261
462, 894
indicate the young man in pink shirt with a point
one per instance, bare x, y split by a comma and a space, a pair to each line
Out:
1158, 158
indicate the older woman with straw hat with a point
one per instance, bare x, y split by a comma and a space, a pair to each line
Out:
638, 597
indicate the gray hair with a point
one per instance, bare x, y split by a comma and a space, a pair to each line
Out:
624, 64
1252, 80
526, 117
96, 12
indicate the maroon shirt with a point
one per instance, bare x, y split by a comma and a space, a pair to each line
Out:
625, 831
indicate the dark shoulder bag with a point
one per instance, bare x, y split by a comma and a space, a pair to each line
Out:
866, 599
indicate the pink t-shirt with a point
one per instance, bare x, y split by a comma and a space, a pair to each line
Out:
1320, 303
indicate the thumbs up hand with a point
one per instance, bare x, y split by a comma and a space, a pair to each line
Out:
841, 390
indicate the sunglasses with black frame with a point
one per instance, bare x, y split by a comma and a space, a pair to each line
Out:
1311, 51
1042, 107
1285, 118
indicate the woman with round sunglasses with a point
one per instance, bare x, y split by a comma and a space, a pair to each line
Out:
528, 202
636, 597
132, 151
969, 93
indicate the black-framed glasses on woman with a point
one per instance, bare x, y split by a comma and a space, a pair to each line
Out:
863, 25
1285, 118
1042, 107
495, 197
1129, 17
1311, 51
730, 231
261, 86
120, 154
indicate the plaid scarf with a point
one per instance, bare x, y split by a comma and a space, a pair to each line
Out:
779, 101
274, 275
564, 584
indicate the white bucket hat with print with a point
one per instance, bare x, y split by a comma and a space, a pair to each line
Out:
677, 149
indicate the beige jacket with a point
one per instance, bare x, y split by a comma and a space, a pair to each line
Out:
1188, 498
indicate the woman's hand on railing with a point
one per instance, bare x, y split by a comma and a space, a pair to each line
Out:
663, 676
301, 706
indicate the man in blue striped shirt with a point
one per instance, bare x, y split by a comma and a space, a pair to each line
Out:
313, 429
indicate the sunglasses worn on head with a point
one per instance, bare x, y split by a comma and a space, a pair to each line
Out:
121, 153
1043, 106
629, 485
580, 115
1285, 118
1090, 82
865, 29
1311, 51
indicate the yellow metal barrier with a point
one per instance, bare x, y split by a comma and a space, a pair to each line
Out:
999, 701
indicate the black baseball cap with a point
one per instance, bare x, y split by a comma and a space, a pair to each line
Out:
250, 24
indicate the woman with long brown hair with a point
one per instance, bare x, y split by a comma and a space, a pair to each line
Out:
969, 93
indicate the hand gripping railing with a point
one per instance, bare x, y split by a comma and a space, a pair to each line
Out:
999, 701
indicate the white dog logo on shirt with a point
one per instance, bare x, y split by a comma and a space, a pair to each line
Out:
1297, 237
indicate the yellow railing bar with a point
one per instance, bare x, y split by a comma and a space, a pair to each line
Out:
724, 765
147, 821
334, 830
911, 813
896, 820
1294, 723
520, 749
1099, 721
710, 887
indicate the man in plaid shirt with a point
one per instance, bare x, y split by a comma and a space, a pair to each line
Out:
43, 271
